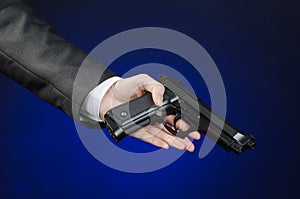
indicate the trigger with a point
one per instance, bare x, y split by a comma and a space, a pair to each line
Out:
170, 129
174, 131
176, 118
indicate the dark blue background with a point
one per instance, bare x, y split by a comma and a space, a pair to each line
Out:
255, 44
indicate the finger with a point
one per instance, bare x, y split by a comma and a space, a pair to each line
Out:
147, 137
180, 124
195, 135
157, 94
146, 134
168, 138
188, 144
183, 126
157, 89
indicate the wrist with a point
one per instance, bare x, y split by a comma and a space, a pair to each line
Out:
106, 102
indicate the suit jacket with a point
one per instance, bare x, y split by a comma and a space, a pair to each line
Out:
32, 54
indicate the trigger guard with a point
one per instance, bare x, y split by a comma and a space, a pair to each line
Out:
175, 131
170, 129
176, 118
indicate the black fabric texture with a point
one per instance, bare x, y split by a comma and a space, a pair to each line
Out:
32, 54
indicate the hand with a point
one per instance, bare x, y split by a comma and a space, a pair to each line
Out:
126, 89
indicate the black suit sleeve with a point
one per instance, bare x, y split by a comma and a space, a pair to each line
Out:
32, 54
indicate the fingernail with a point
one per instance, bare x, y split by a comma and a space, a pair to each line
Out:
165, 146
159, 100
191, 148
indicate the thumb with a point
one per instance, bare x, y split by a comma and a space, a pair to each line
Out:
157, 89
158, 93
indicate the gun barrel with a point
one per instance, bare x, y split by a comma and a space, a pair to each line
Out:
208, 122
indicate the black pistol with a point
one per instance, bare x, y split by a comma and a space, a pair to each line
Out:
179, 101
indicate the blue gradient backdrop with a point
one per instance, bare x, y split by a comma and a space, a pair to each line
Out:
255, 45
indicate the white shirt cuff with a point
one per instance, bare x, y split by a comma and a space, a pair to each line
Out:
91, 105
